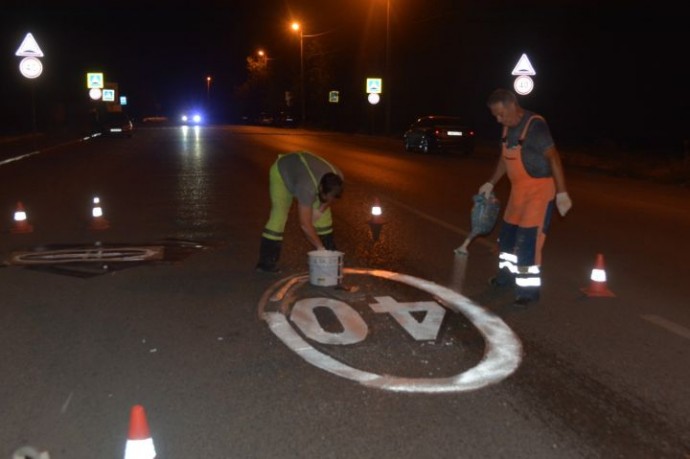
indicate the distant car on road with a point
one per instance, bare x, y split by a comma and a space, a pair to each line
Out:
116, 124
191, 119
436, 132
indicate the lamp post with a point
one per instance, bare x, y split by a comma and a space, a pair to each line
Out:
388, 66
298, 28
208, 89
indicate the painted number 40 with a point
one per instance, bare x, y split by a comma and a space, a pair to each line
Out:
355, 329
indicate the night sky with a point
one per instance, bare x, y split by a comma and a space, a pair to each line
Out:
606, 71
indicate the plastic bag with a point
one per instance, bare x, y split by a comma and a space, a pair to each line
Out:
483, 218
484, 214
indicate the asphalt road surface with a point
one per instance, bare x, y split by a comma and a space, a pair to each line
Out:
412, 357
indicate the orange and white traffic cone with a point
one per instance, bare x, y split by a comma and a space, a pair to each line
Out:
98, 221
597, 286
21, 223
139, 441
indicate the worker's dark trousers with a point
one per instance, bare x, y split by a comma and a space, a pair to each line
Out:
269, 254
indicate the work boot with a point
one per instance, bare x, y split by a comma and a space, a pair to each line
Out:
525, 297
502, 279
269, 253
328, 241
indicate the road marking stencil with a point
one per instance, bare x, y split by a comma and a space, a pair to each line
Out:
502, 353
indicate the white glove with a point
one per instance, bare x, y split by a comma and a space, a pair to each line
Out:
486, 189
563, 203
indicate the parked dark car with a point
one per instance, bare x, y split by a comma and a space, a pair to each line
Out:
265, 119
285, 119
435, 132
115, 124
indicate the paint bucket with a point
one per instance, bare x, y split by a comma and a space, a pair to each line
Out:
325, 268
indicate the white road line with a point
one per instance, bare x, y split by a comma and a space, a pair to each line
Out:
668, 325
441, 223
27, 155
63, 410
17, 158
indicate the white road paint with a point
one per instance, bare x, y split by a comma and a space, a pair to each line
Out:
28, 155
18, 158
63, 410
29, 452
424, 330
354, 328
502, 356
668, 325
443, 224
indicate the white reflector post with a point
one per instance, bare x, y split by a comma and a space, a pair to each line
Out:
97, 211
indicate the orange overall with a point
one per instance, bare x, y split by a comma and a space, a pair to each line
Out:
525, 221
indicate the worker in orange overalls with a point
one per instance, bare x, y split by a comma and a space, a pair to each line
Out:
532, 163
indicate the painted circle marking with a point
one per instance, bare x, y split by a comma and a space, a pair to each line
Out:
502, 355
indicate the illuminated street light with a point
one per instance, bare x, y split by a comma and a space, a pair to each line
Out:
298, 28
208, 88
263, 57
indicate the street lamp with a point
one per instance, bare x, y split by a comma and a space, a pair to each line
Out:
298, 28
263, 58
208, 89
388, 66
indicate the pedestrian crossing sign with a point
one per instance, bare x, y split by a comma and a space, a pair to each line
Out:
94, 80
108, 95
374, 86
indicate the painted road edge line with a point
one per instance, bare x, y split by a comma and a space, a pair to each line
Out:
668, 325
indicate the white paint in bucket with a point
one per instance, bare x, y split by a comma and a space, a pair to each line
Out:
325, 268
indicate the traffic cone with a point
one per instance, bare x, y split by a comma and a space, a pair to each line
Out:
597, 286
139, 441
98, 221
376, 221
376, 212
21, 224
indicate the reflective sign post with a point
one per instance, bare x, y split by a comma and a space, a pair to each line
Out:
523, 84
31, 68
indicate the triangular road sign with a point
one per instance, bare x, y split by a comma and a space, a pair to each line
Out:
524, 67
29, 47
